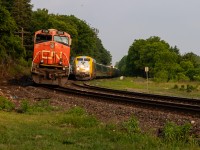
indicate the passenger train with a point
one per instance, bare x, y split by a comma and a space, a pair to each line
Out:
51, 57
86, 68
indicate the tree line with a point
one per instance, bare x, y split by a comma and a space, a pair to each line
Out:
164, 61
19, 22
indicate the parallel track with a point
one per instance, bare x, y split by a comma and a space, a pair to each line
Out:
143, 95
183, 105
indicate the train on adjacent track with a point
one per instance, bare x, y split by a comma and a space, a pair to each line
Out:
86, 68
51, 57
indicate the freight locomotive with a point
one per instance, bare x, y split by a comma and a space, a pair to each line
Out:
86, 68
51, 57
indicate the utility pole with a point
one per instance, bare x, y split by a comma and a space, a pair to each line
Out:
22, 32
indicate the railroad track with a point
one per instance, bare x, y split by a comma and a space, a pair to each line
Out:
142, 95
183, 105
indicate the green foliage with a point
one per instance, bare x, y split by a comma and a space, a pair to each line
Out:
193, 58
40, 106
43, 131
191, 88
192, 73
76, 111
174, 133
10, 45
6, 105
24, 107
182, 88
182, 77
175, 86
165, 63
122, 65
154, 53
188, 88
21, 12
161, 76
77, 118
196, 78
132, 126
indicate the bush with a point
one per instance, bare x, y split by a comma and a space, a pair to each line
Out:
182, 77
24, 107
174, 133
190, 88
197, 78
182, 88
132, 126
5, 104
161, 76
175, 86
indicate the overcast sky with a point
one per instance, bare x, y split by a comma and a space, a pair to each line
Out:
120, 22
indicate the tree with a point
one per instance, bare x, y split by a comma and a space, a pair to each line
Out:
193, 58
21, 12
122, 65
101, 54
155, 54
10, 45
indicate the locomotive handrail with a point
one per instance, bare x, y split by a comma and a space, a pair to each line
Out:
34, 59
68, 63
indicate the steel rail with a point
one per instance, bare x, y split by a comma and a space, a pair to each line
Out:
194, 109
152, 96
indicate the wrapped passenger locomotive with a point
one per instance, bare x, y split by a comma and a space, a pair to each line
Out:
86, 68
51, 57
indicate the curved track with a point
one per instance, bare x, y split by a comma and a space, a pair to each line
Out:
183, 105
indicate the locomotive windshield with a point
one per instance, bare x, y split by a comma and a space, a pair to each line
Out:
43, 38
61, 39
86, 59
79, 59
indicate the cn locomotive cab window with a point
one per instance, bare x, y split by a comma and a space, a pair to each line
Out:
61, 39
43, 38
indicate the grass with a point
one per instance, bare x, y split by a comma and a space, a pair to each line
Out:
42, 126
75, 129
181, 89
69, 130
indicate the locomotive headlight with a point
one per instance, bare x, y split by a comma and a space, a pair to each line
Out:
42, 61
82, 66
77, 68
52, 45
87, 69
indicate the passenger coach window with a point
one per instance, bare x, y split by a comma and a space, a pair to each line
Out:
43, 38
